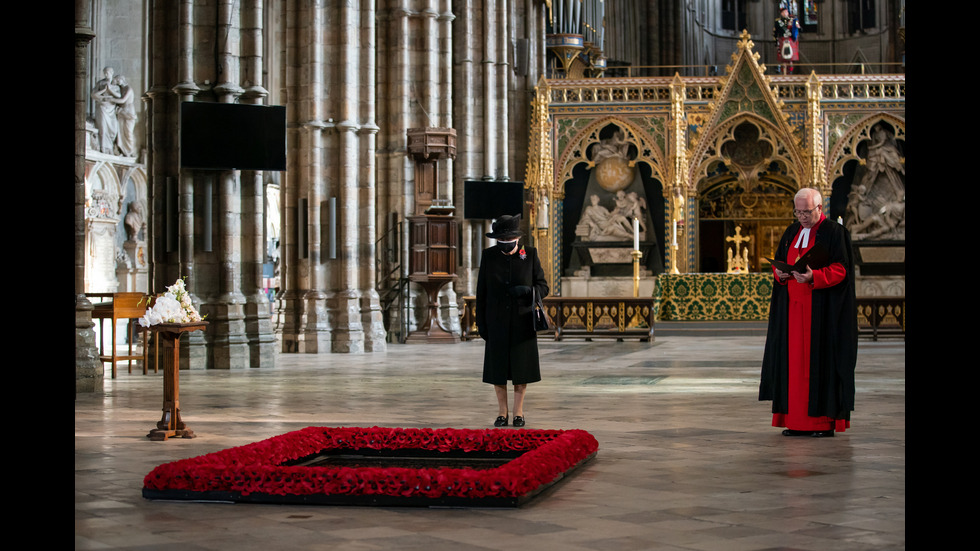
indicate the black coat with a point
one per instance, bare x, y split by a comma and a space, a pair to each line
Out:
505, 322
833, 334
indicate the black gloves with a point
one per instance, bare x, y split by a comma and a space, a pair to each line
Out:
518, 291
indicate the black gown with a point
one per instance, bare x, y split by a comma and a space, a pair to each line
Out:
506, 322
833, 335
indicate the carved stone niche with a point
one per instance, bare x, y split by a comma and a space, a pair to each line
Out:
427, 146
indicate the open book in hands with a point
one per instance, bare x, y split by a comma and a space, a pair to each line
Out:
817, 257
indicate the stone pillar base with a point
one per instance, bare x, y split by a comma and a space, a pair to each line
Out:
316, 334
89, 370
258, 329
449, 310
229, 345
348, 332
372, 320
193, 352
289, 308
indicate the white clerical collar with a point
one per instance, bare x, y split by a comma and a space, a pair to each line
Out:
804, 238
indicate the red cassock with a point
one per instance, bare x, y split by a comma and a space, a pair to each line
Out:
811, 348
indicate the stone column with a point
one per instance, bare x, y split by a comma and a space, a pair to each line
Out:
469, 160
348, 333
193, 349
502, 70
372, 321
395, 184
229, 344
258, 327
317, 327
315, 324
289, 303
88, 368
491, 139
224, 278
443, 47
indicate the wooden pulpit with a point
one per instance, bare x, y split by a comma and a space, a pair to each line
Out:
432, 264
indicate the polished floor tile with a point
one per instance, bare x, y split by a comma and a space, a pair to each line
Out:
687, 457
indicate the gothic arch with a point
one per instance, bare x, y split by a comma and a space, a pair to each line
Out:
576, 152
717, 146
138, 175
746, 100
103, 182
579, 138
846, 147
746, 171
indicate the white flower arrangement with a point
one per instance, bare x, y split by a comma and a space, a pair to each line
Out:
173, 306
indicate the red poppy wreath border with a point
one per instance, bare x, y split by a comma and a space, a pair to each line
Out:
260, 471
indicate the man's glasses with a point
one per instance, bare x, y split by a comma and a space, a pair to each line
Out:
799, 213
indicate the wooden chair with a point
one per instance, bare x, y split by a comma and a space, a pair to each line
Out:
127, 306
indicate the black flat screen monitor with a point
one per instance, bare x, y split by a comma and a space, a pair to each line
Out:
487, 200
232, 136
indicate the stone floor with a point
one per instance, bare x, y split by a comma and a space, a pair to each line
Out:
687, 457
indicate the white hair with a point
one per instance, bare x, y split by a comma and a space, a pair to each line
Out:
809, 192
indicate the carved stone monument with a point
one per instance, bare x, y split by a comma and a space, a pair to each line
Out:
876, 204
614, 222
614, 198
115, 115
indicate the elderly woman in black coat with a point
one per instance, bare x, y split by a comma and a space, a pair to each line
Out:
509, 272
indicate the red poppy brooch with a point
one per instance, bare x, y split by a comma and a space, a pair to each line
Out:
523, 254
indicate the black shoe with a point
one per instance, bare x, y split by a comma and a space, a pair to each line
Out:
791, 432
518, 421
823, 433
502, 421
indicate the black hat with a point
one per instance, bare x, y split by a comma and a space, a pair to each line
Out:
506, 227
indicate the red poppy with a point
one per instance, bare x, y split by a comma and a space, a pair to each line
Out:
267, 467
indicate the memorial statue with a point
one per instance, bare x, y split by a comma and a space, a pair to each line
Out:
633, 207
135, 220
876, 203
115, 114
884, 163
611, 148
126, 117
104, 94
598, 223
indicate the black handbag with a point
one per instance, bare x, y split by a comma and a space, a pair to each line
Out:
541, 320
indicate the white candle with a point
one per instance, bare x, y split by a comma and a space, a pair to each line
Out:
675, 232
636, 234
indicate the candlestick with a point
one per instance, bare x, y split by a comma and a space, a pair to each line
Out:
636, 234
636, 272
